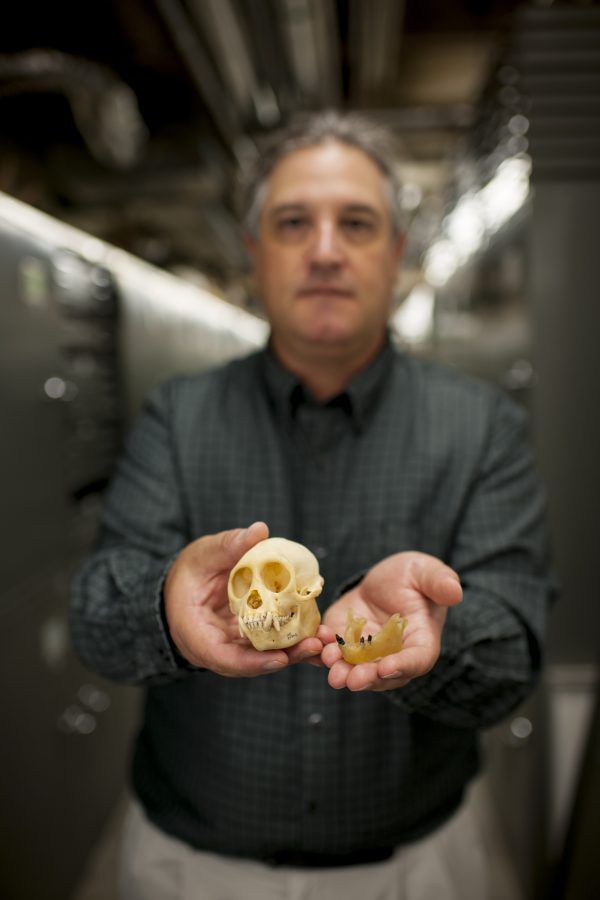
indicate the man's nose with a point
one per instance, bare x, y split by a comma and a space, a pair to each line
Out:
326, 247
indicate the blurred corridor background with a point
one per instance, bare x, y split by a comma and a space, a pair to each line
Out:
122, 129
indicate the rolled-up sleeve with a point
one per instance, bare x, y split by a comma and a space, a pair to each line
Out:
116, 615
492, 642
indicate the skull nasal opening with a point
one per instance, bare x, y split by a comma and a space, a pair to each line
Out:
254, 600
275, 577
241, 581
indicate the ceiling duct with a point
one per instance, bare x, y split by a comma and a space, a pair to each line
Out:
104, 108
271, 61
218, 20
225, 115
326, 33
375, 41
311, 37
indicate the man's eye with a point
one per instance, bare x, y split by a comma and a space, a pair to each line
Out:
291, 224
358, 227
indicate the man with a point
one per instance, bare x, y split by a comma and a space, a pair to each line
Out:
290, 773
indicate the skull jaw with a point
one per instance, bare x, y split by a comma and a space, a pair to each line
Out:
301, 625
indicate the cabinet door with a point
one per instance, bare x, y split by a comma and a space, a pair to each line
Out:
34, 502
63, 755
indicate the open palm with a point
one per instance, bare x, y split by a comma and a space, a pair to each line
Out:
420, 588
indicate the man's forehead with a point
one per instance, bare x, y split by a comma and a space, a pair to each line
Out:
332, 172
343, 204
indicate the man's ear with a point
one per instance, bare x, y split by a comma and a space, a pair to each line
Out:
400, 247
251, 247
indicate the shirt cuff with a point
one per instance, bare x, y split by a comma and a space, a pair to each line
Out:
348, 584
178, 662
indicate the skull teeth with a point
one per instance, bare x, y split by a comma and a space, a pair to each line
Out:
266, 621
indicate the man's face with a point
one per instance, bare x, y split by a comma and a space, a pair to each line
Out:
326, 259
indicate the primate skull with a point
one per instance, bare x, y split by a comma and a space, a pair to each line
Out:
273, 590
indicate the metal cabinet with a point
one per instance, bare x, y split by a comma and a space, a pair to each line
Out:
65, 740
64, 733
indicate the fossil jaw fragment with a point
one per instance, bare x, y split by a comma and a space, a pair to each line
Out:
357, 649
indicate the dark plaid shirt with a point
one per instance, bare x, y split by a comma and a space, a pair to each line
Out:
410, 457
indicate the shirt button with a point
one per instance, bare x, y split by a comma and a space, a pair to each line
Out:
321, 552
314, 719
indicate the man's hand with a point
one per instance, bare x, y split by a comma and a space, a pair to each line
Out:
416, 585
201, 624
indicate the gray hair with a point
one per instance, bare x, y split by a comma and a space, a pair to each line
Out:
310, 130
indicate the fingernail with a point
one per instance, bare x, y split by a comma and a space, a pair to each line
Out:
393, 675
368, 686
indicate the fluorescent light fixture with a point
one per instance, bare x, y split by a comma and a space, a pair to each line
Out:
476, 217
413, 320
441, 262
506, 193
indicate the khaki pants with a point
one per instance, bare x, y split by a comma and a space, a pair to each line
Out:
447, 865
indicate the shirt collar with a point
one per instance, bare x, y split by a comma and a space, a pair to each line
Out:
359, 398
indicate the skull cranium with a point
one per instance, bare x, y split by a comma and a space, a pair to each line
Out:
273, 590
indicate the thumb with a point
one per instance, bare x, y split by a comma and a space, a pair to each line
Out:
234, 543
446, 589
438, 581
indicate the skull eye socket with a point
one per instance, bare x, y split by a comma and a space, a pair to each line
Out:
241, 581
275, 577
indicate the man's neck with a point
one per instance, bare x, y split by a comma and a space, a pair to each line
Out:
325, 374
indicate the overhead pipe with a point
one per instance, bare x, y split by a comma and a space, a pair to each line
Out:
104, 108
219, 103
375, 42
311, 40
218, 21
272, 61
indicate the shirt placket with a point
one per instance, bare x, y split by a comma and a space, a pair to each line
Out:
322, 434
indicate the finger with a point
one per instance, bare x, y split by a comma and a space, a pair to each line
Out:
213, 555
366, 680
304, 650
331, 653
237, 661
392, 666
390, 684
412, 662
437, 581
231, 545
326, 635
338, 674
369, 679
362, 677
315, 661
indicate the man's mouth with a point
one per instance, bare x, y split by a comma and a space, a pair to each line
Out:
327, 290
